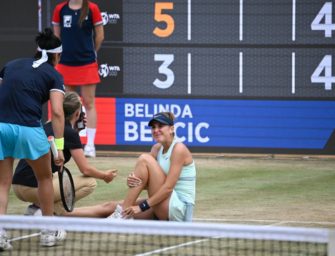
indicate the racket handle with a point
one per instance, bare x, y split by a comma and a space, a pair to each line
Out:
53, 147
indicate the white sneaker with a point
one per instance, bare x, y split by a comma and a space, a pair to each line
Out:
89, 151
117, 214
33, 210
4, 242
50, 238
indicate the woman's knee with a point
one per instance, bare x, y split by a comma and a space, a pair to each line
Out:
152, 169
145, 158
145, 162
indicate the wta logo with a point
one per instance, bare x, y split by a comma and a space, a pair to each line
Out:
105, 70
112, 18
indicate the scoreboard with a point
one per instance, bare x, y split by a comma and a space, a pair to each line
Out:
221, 48
240, 76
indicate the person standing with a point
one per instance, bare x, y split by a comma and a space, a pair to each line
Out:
79, 25
24, 181
25, 85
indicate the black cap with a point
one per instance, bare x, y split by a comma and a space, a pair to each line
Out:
161, 118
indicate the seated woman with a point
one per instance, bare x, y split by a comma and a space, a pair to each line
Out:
24, 181
168, 174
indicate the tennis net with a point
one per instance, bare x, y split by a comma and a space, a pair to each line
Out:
89, 236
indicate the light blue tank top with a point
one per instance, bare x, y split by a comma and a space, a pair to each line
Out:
185, 186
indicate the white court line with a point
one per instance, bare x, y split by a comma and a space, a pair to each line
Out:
268, 221
276, 223
175, 246
24, 237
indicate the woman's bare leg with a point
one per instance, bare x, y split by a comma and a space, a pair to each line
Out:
6, 173
153, 177
42, 171
88, 95
94, 211
104, 210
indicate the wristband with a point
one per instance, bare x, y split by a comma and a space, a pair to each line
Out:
59, 143
144, 206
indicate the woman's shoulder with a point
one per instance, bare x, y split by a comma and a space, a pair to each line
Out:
156, 147
180, 145
181, 149
93, 5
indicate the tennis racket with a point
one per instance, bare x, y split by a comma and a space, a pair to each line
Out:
66, 184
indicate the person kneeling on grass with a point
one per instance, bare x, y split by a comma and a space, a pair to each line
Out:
168, 174
24, 181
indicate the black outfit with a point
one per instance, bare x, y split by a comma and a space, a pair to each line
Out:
24, 174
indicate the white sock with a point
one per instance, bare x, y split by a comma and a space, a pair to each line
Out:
90, 136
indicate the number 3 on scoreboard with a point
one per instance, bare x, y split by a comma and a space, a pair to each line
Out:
164, 69
325, 15
165, 18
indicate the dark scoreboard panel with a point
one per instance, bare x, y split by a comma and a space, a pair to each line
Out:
216, 48
240, 76
226, 22
18, 28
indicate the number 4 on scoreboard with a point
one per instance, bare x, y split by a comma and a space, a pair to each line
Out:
325, 68
324, 20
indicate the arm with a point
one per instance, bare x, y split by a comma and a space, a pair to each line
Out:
57, 119
99, 36
56, 29
178, 158
89, 170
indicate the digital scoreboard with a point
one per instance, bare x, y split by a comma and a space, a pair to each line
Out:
222, 48
241, 76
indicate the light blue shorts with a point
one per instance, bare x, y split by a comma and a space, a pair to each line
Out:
22, 142
179, 210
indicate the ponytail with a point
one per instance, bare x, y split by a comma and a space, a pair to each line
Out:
83, 12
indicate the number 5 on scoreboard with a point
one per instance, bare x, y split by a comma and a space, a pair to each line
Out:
165, 18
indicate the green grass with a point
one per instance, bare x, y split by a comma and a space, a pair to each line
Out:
240, 189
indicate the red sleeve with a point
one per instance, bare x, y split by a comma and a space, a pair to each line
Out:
96, 14
56, 14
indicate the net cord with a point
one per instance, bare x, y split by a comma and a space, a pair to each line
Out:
195, 229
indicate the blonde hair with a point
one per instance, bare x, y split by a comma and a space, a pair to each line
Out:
71, 104
169, 115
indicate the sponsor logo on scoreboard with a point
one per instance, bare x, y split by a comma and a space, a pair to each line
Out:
106, 70
110, 18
